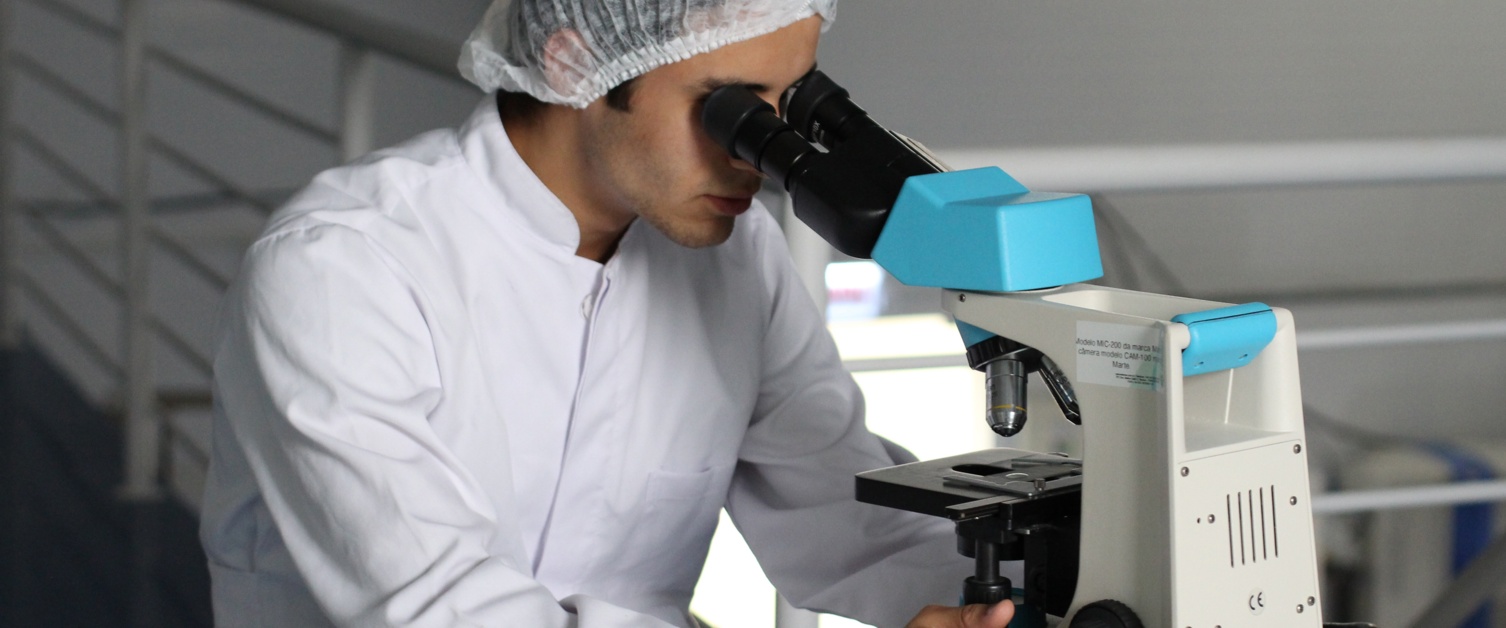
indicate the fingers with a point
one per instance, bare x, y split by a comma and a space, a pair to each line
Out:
981, 616
1000, 615
970, 616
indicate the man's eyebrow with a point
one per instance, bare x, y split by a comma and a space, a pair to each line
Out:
712, 84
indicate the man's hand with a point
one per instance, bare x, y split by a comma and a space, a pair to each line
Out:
970, 616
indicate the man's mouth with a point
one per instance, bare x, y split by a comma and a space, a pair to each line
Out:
731, 205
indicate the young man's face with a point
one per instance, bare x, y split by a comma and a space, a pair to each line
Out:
654, 161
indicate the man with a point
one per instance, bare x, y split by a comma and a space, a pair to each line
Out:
507, 375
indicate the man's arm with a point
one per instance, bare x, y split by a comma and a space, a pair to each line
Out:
328, 375
792, 495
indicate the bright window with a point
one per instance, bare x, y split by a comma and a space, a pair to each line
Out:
933, 412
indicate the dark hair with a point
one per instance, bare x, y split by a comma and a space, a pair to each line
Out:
523, 105
621, 96
518, 105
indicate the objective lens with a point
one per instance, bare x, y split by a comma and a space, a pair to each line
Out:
1005, 381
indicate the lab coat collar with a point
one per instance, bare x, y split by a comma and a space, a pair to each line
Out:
485, 145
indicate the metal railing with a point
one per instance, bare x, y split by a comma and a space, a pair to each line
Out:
10, 313
148, 433
1104, 169
132, 365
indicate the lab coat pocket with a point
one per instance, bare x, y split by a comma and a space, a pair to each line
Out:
667, 543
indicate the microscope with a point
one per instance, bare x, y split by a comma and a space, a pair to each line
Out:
1190, 506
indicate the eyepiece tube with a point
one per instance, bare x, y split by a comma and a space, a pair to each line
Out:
740, 121
844, 193
822, 111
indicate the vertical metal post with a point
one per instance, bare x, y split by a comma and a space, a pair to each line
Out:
357, 101
11, 570
10, 314
143, 442
143, 427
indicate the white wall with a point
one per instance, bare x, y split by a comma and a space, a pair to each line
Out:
985, 73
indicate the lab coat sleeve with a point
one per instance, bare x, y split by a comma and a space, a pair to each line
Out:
327, 373
792, 493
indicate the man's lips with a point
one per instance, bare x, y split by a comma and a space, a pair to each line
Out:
731, 206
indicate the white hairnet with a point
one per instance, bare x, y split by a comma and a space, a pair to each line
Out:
603, 43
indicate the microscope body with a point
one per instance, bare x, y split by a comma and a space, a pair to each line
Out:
1194, 499
1190, 506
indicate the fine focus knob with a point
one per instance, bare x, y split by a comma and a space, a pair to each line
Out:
1106, 614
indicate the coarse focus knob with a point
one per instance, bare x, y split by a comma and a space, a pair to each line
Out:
1106, 614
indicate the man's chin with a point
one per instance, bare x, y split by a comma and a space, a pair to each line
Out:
699, 236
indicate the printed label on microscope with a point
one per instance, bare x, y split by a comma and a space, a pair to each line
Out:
1118, 355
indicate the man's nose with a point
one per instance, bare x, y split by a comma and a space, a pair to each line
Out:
744, 166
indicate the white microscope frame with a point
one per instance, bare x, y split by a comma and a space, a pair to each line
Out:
1195, 501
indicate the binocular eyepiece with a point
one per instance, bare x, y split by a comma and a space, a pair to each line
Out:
842, 169
747, 126
821, 110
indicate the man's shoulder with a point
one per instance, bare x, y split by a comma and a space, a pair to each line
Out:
374, 190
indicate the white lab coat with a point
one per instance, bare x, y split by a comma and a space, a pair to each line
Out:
430, 412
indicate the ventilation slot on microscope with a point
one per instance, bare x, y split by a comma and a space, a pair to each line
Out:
1250, 517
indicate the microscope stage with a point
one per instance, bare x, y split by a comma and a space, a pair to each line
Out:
1019, 485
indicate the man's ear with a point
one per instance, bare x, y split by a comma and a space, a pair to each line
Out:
567, 61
